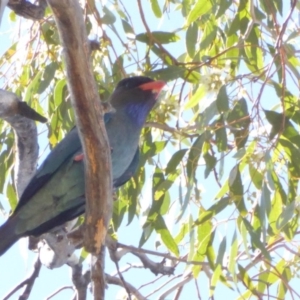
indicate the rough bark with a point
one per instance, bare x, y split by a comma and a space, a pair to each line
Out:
89, 119
27, 9
21, 117
3, 4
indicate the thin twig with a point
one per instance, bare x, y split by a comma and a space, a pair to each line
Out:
165, 255
29, 282
58, 291
117, 281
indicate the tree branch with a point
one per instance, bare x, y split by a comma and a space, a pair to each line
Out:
176, 286
58, 291
80, 281
116, 254
3, 4
132, 249
156, 268
131, 288
21, 117
27, 9
89, 119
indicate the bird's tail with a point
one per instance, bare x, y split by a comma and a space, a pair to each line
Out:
7, 235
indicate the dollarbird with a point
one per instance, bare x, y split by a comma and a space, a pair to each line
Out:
56, 193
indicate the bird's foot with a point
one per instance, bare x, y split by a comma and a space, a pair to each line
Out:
78, 157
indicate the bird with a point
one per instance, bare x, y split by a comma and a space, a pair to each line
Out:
56, 193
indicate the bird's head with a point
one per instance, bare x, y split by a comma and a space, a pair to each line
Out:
136, 96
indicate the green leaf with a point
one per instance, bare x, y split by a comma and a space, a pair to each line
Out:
255, 239
209, 34
275, 212
147, 231
119, 209
161, 37
207, 115
196, 97
276, 120
11, 195
161, 228
259, 220
155, 206
134, 191
199, 9
291, 228
166, 58
233, 52
204, 237
83, 255
246, 279
213, 210
184, 229
286, 215
266, 198
223, 6
117, 66
222, 100
48, 76
194, 156
191, 39
286, 276
221, 135
239, 121
214, 279
156, 9
244, 22
59, 92
186, 200
293, 154
109, 17
127, 27
166, 203
210, 163
256, 176
253, 51
164, 185
172, 73
159, 146
262, 282
192, 247
150, 148
237, 190
235, 182
12, 16
33, 87
175, 160
234, 26
221, 252
278, 4
233, 255
259, 15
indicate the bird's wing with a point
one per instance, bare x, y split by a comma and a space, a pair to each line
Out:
130, 170
64, 151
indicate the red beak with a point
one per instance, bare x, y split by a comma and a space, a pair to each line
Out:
154, 86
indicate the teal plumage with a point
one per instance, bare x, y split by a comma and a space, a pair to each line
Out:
55, 194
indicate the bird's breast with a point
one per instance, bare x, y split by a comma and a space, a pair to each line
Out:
123, 142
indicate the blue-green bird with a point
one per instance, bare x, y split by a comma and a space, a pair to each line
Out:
56, 194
